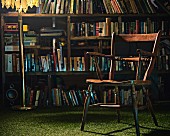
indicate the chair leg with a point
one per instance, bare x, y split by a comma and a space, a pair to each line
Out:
149, 105
86, 105
117, 102
135, 109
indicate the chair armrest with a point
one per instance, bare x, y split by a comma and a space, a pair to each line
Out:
145, 53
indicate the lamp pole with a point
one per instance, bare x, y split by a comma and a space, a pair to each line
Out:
21, 5
22, 70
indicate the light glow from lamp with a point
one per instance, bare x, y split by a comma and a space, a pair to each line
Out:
20, 5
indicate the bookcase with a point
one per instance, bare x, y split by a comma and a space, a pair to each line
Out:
55, 47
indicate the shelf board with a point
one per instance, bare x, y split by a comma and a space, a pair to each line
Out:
66, 73
60, 73
15, 14
81, 38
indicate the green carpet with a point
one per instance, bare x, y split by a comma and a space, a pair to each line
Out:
65, 121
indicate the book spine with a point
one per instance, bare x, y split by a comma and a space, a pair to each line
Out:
71, 6
108, 27
62, 6
45, 6
14, 62
37, 97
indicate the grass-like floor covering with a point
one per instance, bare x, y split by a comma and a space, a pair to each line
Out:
65, 121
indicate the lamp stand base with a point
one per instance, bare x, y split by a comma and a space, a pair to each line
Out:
18, 107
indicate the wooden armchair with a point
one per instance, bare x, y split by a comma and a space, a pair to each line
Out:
142, 77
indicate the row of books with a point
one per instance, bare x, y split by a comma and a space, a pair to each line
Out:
67, 6
59, 97
136, 6
120, 65
105, 29
104, 6
12, 63
45, 63
42, 97
92, 29
12, 38
110, 96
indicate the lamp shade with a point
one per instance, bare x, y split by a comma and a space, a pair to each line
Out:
20, 5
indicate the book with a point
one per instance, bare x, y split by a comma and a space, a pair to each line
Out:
11, 48
84, 6
109, 6
44, 64
31, 97
32, 62
74, 96
14, 62
37, 97
147, 6
29, 61
62, 6
17, 63
60, 59
8, 63
108, 27
79, 97
48, 7
139, 6
45, 6
128, 6
133, 6
66, 7
65, 97
116, 6
55, 6
75, 64
57, 95
78, 6
106, 8
61, 45
71, 98
58, 6
122, 6
71, 6
87, 6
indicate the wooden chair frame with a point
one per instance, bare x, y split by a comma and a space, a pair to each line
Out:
138, 82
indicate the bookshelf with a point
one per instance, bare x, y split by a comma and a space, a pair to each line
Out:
84, 31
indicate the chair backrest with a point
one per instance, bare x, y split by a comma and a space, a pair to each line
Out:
139, 40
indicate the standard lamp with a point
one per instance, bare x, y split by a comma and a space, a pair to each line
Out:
21, 5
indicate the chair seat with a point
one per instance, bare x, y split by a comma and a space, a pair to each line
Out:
118, 83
